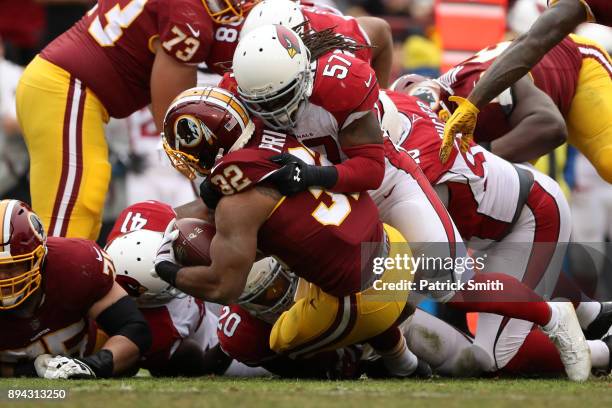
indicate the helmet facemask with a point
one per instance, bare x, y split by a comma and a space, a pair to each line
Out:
272, 296
279, 109
16, 289
227, 11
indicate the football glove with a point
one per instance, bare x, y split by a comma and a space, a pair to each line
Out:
462, 122
96, 365
296, 175
165, 263
209, 194
165, 252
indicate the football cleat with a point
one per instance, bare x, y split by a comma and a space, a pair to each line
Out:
568, 337
600, 326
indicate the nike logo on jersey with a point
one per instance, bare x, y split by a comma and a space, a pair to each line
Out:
369, 81
194, 32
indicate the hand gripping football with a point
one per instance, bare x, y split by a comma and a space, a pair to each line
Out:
192, 247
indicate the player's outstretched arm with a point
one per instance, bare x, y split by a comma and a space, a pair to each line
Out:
168, 79
379, 33
526, 50
537, 125
511, 65
238, 218
129, 334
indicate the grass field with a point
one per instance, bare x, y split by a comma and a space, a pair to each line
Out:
224, 392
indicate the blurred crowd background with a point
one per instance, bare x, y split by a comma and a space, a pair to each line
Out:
430, 36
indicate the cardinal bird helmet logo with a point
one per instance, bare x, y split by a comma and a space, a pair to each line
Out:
288, 40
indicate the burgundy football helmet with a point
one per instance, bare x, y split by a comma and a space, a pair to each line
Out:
202, 123
22, 250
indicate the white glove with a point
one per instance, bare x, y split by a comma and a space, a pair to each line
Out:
60, 367
165, 252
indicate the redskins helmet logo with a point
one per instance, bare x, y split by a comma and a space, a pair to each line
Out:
37, 227
288, 40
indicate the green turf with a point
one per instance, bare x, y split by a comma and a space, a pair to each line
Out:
221, 392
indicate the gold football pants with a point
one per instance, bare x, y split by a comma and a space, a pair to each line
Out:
589, 121
320, 321
62, 122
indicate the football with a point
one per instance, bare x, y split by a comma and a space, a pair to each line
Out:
192, 247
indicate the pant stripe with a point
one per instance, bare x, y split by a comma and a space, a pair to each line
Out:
546, 236
339, 328
72, 160
597, 55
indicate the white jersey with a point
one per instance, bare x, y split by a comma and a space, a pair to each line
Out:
180, 319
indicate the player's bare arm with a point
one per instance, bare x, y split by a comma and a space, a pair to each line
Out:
118, 315
379, 33
168, 79
193, 209
537, 125
548, 30
515, 62
233, 248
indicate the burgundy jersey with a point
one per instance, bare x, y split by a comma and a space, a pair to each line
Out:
226, 35
150, 215
110, 48
483, 188
76, 274
598, 11
556, 75
244, 337
316, 234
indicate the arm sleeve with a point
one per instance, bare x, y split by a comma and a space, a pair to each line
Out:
364, 170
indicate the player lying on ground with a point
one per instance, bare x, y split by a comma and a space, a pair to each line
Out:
244, 330
54, 294
184, 329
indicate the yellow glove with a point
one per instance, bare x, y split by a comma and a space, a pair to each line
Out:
463, 122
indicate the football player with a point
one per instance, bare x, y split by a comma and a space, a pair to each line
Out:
317, 234
505, 211
371, 31
591, 110
333, 111
244, 330
183, 328
121, 56
51, 292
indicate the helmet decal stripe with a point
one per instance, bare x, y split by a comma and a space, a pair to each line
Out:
5, 237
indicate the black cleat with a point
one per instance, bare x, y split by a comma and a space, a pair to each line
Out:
600, 326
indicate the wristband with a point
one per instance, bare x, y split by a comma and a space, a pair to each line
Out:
167, 271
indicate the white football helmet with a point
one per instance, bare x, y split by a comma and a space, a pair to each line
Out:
133, 255
283, 12
272, 68
269, 290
